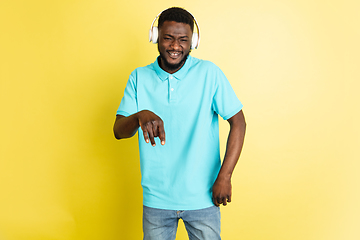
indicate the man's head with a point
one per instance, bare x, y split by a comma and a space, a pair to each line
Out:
175, 36
176, 14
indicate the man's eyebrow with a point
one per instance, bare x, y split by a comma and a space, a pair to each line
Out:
169, 35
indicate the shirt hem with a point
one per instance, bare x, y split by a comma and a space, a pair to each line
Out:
178, 207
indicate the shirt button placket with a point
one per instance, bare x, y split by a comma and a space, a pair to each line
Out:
171, 88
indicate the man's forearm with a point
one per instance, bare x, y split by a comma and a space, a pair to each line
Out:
125, 127
234, 144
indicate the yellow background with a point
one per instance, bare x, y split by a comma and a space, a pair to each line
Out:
63, 67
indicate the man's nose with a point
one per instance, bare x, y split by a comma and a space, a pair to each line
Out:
175, 44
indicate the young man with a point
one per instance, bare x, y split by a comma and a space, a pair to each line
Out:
174, 103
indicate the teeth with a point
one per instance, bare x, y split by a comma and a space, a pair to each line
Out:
174, 54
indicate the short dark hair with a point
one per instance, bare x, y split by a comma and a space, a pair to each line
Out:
176, 14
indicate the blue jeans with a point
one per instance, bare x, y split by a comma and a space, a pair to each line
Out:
202, 224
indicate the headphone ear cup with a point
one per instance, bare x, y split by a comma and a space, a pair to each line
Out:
150, 35
154, 35
194, 41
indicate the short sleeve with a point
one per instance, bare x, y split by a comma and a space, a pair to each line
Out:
128, 105
225, 101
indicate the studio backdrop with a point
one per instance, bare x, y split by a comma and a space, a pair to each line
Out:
63, 69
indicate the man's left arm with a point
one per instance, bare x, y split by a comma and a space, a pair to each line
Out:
222, 186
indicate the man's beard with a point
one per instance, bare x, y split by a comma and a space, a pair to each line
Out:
170, 66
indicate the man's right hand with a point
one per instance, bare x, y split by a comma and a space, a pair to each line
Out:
152, 126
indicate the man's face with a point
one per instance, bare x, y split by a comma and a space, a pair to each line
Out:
174, 45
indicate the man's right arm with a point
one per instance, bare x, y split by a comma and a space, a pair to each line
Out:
151, 125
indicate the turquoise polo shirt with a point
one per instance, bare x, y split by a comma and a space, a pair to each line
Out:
180, 174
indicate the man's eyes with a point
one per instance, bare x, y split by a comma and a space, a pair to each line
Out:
170, 39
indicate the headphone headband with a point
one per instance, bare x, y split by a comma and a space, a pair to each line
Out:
153, 34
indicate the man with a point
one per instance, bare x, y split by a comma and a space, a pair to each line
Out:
174, 103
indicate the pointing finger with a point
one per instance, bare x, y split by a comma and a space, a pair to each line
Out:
151, 135
162, 133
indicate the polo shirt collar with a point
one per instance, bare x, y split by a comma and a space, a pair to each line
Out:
180, 74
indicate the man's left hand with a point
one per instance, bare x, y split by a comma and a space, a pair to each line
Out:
222, 191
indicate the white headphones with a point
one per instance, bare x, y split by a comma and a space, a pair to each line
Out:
154, 33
